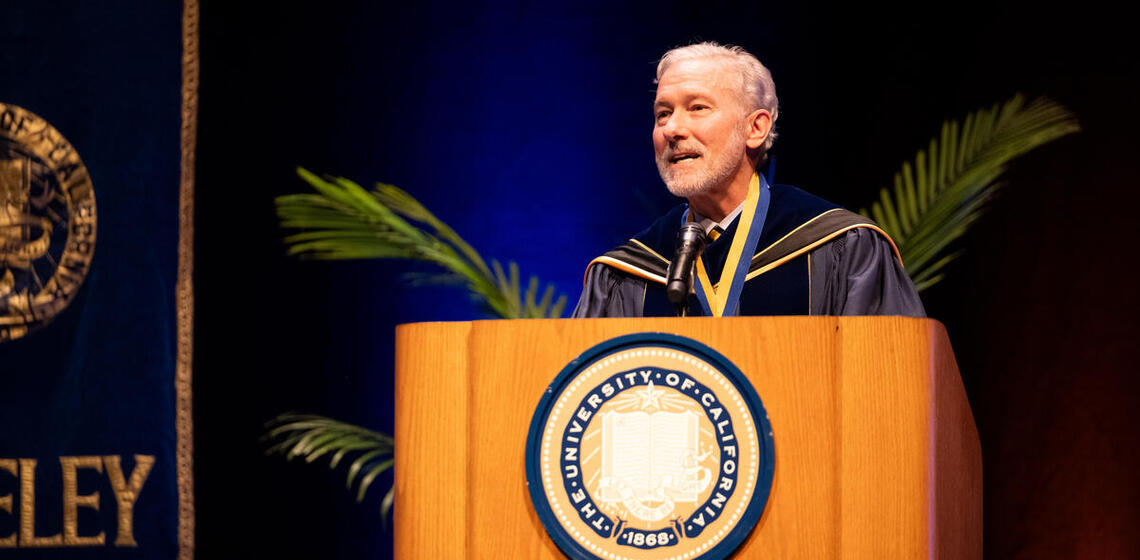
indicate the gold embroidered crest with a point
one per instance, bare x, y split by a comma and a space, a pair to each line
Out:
47, 222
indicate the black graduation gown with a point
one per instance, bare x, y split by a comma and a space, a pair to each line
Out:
813, 258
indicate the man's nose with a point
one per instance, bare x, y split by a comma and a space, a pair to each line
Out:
676, 127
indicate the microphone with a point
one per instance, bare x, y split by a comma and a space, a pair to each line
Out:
679, 278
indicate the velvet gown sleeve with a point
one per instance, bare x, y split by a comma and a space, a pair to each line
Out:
609, 293
858, 274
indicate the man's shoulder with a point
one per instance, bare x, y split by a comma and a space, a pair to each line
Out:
662, 233
799, 221
799, 198
790, 208
644, 255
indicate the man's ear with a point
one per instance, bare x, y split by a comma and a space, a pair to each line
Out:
759, 123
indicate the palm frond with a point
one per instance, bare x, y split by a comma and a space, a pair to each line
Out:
310, 437
933, 202
345, 221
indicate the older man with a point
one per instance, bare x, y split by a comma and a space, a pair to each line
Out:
772, 249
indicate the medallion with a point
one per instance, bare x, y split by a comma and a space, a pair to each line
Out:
650, 446
47, 222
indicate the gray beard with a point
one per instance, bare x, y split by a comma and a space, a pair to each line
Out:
707, 178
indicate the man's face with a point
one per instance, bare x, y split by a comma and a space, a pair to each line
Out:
699, 132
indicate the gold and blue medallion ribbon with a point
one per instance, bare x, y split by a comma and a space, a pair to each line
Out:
723, 299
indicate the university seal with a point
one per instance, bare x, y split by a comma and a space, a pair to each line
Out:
47, 222
649, 446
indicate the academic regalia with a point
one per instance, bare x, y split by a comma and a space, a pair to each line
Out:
812, 258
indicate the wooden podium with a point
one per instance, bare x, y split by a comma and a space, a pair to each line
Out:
877, 455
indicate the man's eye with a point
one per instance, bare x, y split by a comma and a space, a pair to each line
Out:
700, 107
662, 115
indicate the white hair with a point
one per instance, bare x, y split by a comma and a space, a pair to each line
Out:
757, 88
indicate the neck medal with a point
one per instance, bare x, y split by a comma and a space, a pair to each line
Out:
723, 299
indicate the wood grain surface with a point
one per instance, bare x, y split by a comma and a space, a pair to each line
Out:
877, 455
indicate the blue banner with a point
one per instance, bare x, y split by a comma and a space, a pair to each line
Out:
95, 127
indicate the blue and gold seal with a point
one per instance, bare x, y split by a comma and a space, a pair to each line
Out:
649, 446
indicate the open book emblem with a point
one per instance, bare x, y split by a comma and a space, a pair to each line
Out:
651, 445
651, 461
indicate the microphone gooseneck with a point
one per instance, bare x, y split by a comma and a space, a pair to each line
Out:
679, 278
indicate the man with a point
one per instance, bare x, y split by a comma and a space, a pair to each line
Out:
772, 250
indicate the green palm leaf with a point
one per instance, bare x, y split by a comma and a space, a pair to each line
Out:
345, 221
311, 437
933, 202
342, 220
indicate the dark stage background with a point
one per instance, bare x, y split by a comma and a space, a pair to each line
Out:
526, 127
